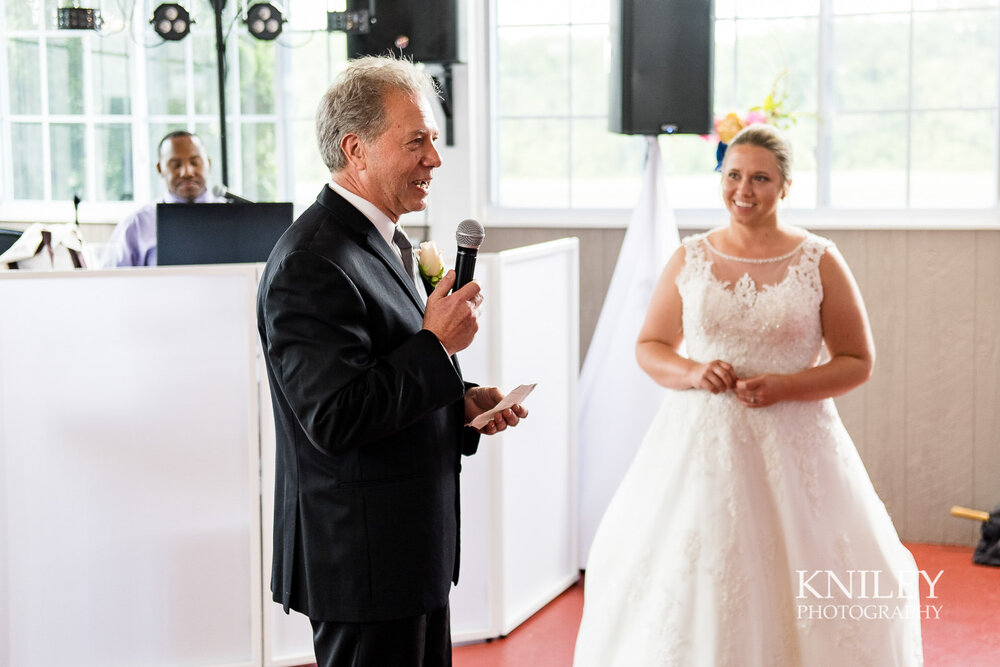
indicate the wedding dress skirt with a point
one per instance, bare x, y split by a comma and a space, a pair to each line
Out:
749, 537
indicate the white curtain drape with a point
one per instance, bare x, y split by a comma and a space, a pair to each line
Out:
617, 400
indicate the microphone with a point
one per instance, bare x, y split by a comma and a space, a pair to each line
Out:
220, 190
469, 236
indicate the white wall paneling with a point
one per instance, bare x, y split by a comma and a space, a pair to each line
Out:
129, 469
519, 491
137, 465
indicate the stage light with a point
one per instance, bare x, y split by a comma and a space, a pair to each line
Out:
264, 21
353, 23
171, 21
78, 18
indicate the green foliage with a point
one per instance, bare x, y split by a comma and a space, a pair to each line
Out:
65, 73
257, 94
26, 141
25, 76
114, 145
68, 142
259, 161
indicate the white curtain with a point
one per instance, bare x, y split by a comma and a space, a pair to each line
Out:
617, 400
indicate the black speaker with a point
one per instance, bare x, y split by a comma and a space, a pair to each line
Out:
662, 62
424, 30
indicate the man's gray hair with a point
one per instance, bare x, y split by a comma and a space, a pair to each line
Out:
355, 103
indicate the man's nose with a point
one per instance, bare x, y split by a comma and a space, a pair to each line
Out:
432, 158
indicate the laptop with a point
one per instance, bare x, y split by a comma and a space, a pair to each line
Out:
232, 233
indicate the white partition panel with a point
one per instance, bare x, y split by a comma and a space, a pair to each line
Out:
471, 614
519, 541
539, 334
287, 637
137, 452
129, 513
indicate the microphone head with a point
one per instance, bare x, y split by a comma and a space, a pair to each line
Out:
219, 190
470, 234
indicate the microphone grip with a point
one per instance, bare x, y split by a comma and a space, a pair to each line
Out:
465, 266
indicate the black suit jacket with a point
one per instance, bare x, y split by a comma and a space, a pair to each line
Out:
369, 418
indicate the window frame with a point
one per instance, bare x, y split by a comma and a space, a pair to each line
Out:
822, 216
142, 46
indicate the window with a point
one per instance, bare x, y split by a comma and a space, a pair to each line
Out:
549, 109
895, 103
82, 112
54, 116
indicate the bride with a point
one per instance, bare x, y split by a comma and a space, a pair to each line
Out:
746, 531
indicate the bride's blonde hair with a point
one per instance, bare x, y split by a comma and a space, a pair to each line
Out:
769, 138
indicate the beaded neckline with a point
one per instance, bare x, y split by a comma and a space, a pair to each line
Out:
755, 260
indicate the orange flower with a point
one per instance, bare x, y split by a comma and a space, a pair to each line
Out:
728, 127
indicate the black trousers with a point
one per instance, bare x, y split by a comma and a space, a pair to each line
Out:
420, 641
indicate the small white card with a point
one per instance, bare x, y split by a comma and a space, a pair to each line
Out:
516, 396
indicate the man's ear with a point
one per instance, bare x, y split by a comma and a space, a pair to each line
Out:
159, 169
354, 149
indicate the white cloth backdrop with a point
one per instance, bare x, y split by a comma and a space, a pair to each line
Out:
618, 400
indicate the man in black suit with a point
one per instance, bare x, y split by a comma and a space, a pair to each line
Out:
369, 403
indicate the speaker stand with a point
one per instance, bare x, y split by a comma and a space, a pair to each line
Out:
444, 83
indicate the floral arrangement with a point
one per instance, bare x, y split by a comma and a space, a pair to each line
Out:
771, 112
431, 264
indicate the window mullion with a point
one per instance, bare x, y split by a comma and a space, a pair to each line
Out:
996, 129
909, 110
89, 120
569, 113
189, 92
234, 139
43, 64
492, 115
141, 158
824, 104
284, 125
6, 155
735, 91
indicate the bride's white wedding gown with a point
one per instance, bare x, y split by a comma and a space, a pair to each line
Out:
727, 538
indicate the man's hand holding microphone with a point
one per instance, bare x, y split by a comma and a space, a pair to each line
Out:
453, 318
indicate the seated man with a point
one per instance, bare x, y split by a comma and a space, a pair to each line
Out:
183, 164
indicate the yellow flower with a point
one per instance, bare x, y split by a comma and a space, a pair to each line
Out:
728, 127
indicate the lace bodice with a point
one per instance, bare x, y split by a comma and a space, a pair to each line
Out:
765, 321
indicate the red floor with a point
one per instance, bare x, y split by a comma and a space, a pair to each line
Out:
965, 635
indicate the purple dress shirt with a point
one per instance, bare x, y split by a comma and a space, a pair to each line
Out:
133, 242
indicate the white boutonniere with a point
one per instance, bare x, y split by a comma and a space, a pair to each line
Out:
431, 263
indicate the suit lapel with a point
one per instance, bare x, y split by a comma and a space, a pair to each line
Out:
371, 240
377, 244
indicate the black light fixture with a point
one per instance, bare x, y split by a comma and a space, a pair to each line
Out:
264, 21
356, 22
171, 21
78, 18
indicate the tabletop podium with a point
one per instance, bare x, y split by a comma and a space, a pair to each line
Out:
137, 453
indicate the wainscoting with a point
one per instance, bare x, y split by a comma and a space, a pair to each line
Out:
927, 423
